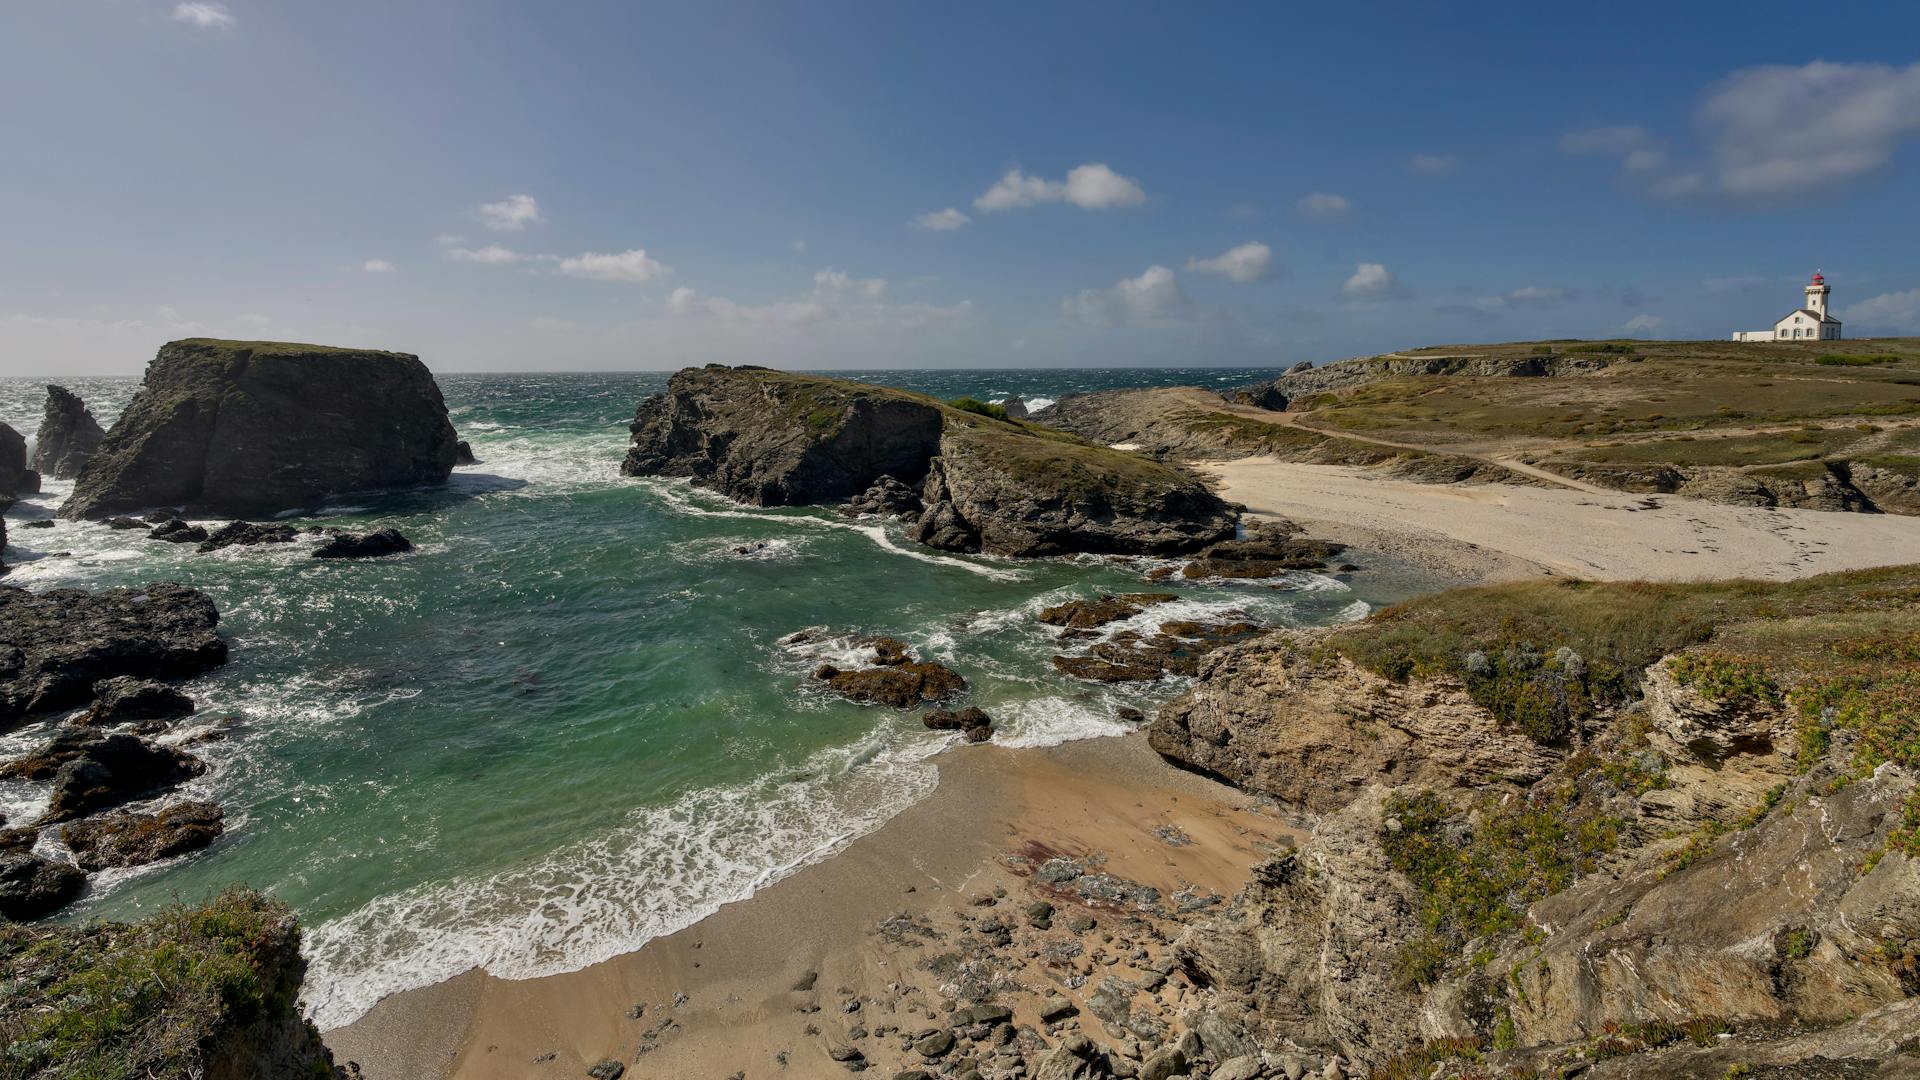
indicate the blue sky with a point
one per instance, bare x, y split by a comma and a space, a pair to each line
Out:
520, 186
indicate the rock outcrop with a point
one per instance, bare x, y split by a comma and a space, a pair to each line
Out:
774, 438
117, 769
372, 545
32, 886
68, 435
233, 427
13, 466
56, 645
123, 839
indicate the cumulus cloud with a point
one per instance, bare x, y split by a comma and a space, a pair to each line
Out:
378, 266
1093, 186
941, 220
1323, 204
511, 214
1539, 295
1247, 263
1897, 312
1154, 296
1370, 281
210, 16
631, 266
1644, 324
491, 255
1434, 164
1772, 133
836, 297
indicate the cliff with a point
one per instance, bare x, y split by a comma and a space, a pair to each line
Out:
206, 992
1642, 830
986, 484
250, 428
68, 435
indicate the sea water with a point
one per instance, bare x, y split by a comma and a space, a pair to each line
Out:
567, 723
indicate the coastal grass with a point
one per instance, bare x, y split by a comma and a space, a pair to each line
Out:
140, 999
983, 408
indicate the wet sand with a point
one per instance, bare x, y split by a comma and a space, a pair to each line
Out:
940, 862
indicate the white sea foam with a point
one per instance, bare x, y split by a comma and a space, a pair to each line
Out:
1034, 405
1050, 721
662, 870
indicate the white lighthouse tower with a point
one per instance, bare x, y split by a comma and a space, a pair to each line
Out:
1807, 323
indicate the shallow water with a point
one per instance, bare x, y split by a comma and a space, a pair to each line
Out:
565, 724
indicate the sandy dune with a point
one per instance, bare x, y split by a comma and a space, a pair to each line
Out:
1501, 531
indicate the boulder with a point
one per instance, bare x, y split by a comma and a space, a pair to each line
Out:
3, 542
1016, 407
126, 699
902, 686
247, 534
463, 453
56, 645
123, 839
346, 545
68, 435
31, 886
971, 720
13, 465
43, 763
115, 770
232, 427
1102, 609
176, 531
887, 498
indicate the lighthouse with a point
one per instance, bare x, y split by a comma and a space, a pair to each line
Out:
1808, 322
1817, 292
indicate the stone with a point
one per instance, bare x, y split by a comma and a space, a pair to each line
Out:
31, 886
123, 839
176, 531
973, 721
43, 763
902, 686
13, 465
1076, 1058
935, 1045
1094, 669
114, 770
346, 545
122, 524
463, 453
1163, 1064
125, 699
56, 645
1054, 1008
887, 497
247, 534
607, 1069
233, 427
68, 435
1102, 609
1244, 1067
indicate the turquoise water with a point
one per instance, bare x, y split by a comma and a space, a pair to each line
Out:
566, 723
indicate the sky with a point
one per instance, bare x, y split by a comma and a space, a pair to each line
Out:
626, 186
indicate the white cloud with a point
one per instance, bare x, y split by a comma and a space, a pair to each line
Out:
837, 297
1644, 324
378, 266
941, 220
1895, 311
1539, 295
1247, 263
631, 266
1153, 296
449, 239
1370, 281
491, 255
1615, 141
1093, 186
1434, 164
1774, 132
511, 214
1322, 204
203, 15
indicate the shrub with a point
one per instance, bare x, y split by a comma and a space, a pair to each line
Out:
984, 408
1854, 360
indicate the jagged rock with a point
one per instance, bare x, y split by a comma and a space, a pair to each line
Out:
123, 524
44, 762
31, 886
115, 770
176, 531
56, 645
887, 497
1076, 1058
1103, 609
1016, 407
463, 453
779, 438
972, 720
902, 686
125, 699
346, 545
1261, 558
68, 435
1244, 1067
124, 839
42, 523
237, 427
13, 465
607, 1069
247, 534
1163, 1064
1094, 669
1054, 1007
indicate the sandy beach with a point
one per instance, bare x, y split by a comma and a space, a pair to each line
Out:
1499, 531
879, 936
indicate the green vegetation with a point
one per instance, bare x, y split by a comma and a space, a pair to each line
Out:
276, 348
1617, 347
144, 999
1855, 360
984, 408
1418, 1063
1725, 679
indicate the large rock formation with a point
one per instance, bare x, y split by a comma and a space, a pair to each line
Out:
56, 645
13, 466
779, 438
238, 427
68, 435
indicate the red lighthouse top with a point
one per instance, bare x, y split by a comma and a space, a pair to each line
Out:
1817, 279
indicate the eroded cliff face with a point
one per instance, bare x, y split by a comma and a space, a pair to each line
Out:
249, 428
775, 438
1616, 902
68, 435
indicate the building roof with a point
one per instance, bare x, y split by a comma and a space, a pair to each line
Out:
1817, 316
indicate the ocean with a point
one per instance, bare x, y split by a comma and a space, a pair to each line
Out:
566, 723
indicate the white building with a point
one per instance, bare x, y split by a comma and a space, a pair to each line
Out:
1810, 323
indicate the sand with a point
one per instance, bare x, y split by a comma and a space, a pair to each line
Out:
935, 861
1500, 531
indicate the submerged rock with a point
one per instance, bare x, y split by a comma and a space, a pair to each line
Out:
68, 435
176, 531
31, 886
43, 763
247, 534
346, 545
1101, 610
902, 686
56, 645
972, 721
124, 839
254, 427
115, 770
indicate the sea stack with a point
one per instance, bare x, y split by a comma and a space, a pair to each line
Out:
68, 435
13, 466
247, 428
